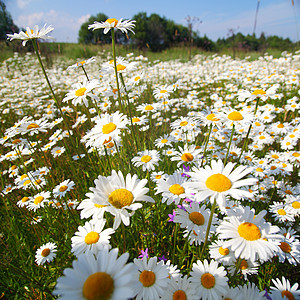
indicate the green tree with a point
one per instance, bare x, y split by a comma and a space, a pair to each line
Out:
88, 36
7, 24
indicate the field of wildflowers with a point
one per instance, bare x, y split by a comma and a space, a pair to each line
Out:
125, 179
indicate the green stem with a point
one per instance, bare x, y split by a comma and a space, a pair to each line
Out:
85, 73
231, 136
115, 67
247, 136
237, 266
206, 143
129, 110
174, 243
208, 227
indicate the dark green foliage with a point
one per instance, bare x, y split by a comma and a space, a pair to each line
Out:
7, 24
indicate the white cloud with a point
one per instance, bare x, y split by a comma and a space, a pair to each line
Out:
23, 3
83, 19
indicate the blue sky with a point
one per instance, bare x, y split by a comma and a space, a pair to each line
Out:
275, 17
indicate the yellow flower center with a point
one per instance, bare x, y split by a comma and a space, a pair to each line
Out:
16, 141
179, 295
208, 280
296, 204
134, 120
158, 177
275, 156
45, 252
212, 117
176, 189
187, 157
163, 141
80, 92
197, 218
244, 265
108, 128
26, 182
281, 212
296, 154
137, 78
24, 199
110, 21
98, 286
32, 125
120, 198
147, 278
218, 183
183, 123
149, 107
92, 238
120, 67
63, 188
249, 231
287, 294
285, 247
31, 30
38, 200
235, 116
146, 158
259, 170
258, 92
99, 205
223, 251
280, 126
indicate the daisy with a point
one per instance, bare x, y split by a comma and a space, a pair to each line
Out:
82, 63
147, 108
208, 280
91, 237
283, 289
188, 154
38, 201
81, 92
148, 159
163, 141
282, 212
120, 194
218, 181
220, 254
251, 292
162, 92
152, 278
246, 268
31, 34
45, 253
289, 249
103, 276
23, 202
91, 207
173, 188
109, 24
64, 187
107, 128
195, 219
179, 288
33, 126
249, 236
58, 151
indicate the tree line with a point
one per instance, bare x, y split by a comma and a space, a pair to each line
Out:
158, 33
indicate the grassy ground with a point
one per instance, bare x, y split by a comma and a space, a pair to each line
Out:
77, 51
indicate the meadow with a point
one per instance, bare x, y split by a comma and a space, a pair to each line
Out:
124, 177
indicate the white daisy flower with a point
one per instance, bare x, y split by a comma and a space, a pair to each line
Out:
218, 181
91, 237
173, 188
249, 235
152, 278
221, 254
38, 201
179, 288
194, 218
112, 23
284, 290
251, 292
120, 195
64, 187
31, 34
148, 159
208, 280
45, 253
103, 276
